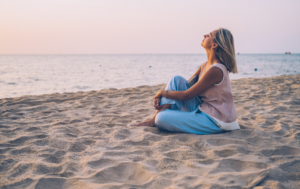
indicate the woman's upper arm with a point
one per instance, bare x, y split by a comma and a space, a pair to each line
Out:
212, 76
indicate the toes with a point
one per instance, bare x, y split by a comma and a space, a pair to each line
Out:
137, 124
141, 124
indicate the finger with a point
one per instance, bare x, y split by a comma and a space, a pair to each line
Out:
156, 106
154, 102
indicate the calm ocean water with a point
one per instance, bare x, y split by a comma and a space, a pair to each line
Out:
45, 74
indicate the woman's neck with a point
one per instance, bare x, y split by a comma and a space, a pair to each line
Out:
211, 57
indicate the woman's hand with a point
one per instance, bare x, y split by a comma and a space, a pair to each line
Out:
156, 103
158, 94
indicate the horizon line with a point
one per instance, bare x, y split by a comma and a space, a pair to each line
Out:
134, 53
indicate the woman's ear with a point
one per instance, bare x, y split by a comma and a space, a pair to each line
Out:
215, 46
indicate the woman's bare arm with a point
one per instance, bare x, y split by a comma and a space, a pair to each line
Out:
212, 76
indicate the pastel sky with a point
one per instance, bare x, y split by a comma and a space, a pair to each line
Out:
145, 26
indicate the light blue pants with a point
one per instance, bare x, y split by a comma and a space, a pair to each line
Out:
184, 116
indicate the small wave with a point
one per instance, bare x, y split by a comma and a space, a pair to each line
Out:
82, 87
11, 83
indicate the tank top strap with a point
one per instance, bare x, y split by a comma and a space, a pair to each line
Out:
224, 70
221, 66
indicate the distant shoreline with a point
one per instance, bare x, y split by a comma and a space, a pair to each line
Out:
143, 54
232, 80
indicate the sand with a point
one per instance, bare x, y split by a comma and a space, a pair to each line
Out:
84, 140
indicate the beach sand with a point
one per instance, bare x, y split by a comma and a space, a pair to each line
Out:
84, 140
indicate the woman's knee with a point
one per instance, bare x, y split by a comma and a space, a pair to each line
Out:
177, 83
177, 78
160, 118
164, 120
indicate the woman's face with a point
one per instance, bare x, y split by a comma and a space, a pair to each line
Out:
208, 40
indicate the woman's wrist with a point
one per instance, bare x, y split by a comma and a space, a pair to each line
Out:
158, 95
164, 93
161, 93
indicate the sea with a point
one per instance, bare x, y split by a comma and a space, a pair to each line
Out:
45, 74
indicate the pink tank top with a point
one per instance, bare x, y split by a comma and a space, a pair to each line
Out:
218, 99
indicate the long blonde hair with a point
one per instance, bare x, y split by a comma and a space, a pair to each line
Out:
225, 52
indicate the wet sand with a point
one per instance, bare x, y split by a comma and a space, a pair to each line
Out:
84, 140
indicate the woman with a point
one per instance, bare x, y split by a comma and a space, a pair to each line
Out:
178, 109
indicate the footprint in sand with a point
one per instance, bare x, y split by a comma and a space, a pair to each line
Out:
20, 170
125, 173
77, 147
282, 150
7, 165
233, 165
21, 184
42, 169
225, 153
100, 163
222, 142
56, 158
291, 167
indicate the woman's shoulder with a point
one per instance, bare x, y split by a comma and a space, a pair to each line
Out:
212, 75
220, 65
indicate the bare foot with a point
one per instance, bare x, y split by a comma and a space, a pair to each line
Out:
149, 123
